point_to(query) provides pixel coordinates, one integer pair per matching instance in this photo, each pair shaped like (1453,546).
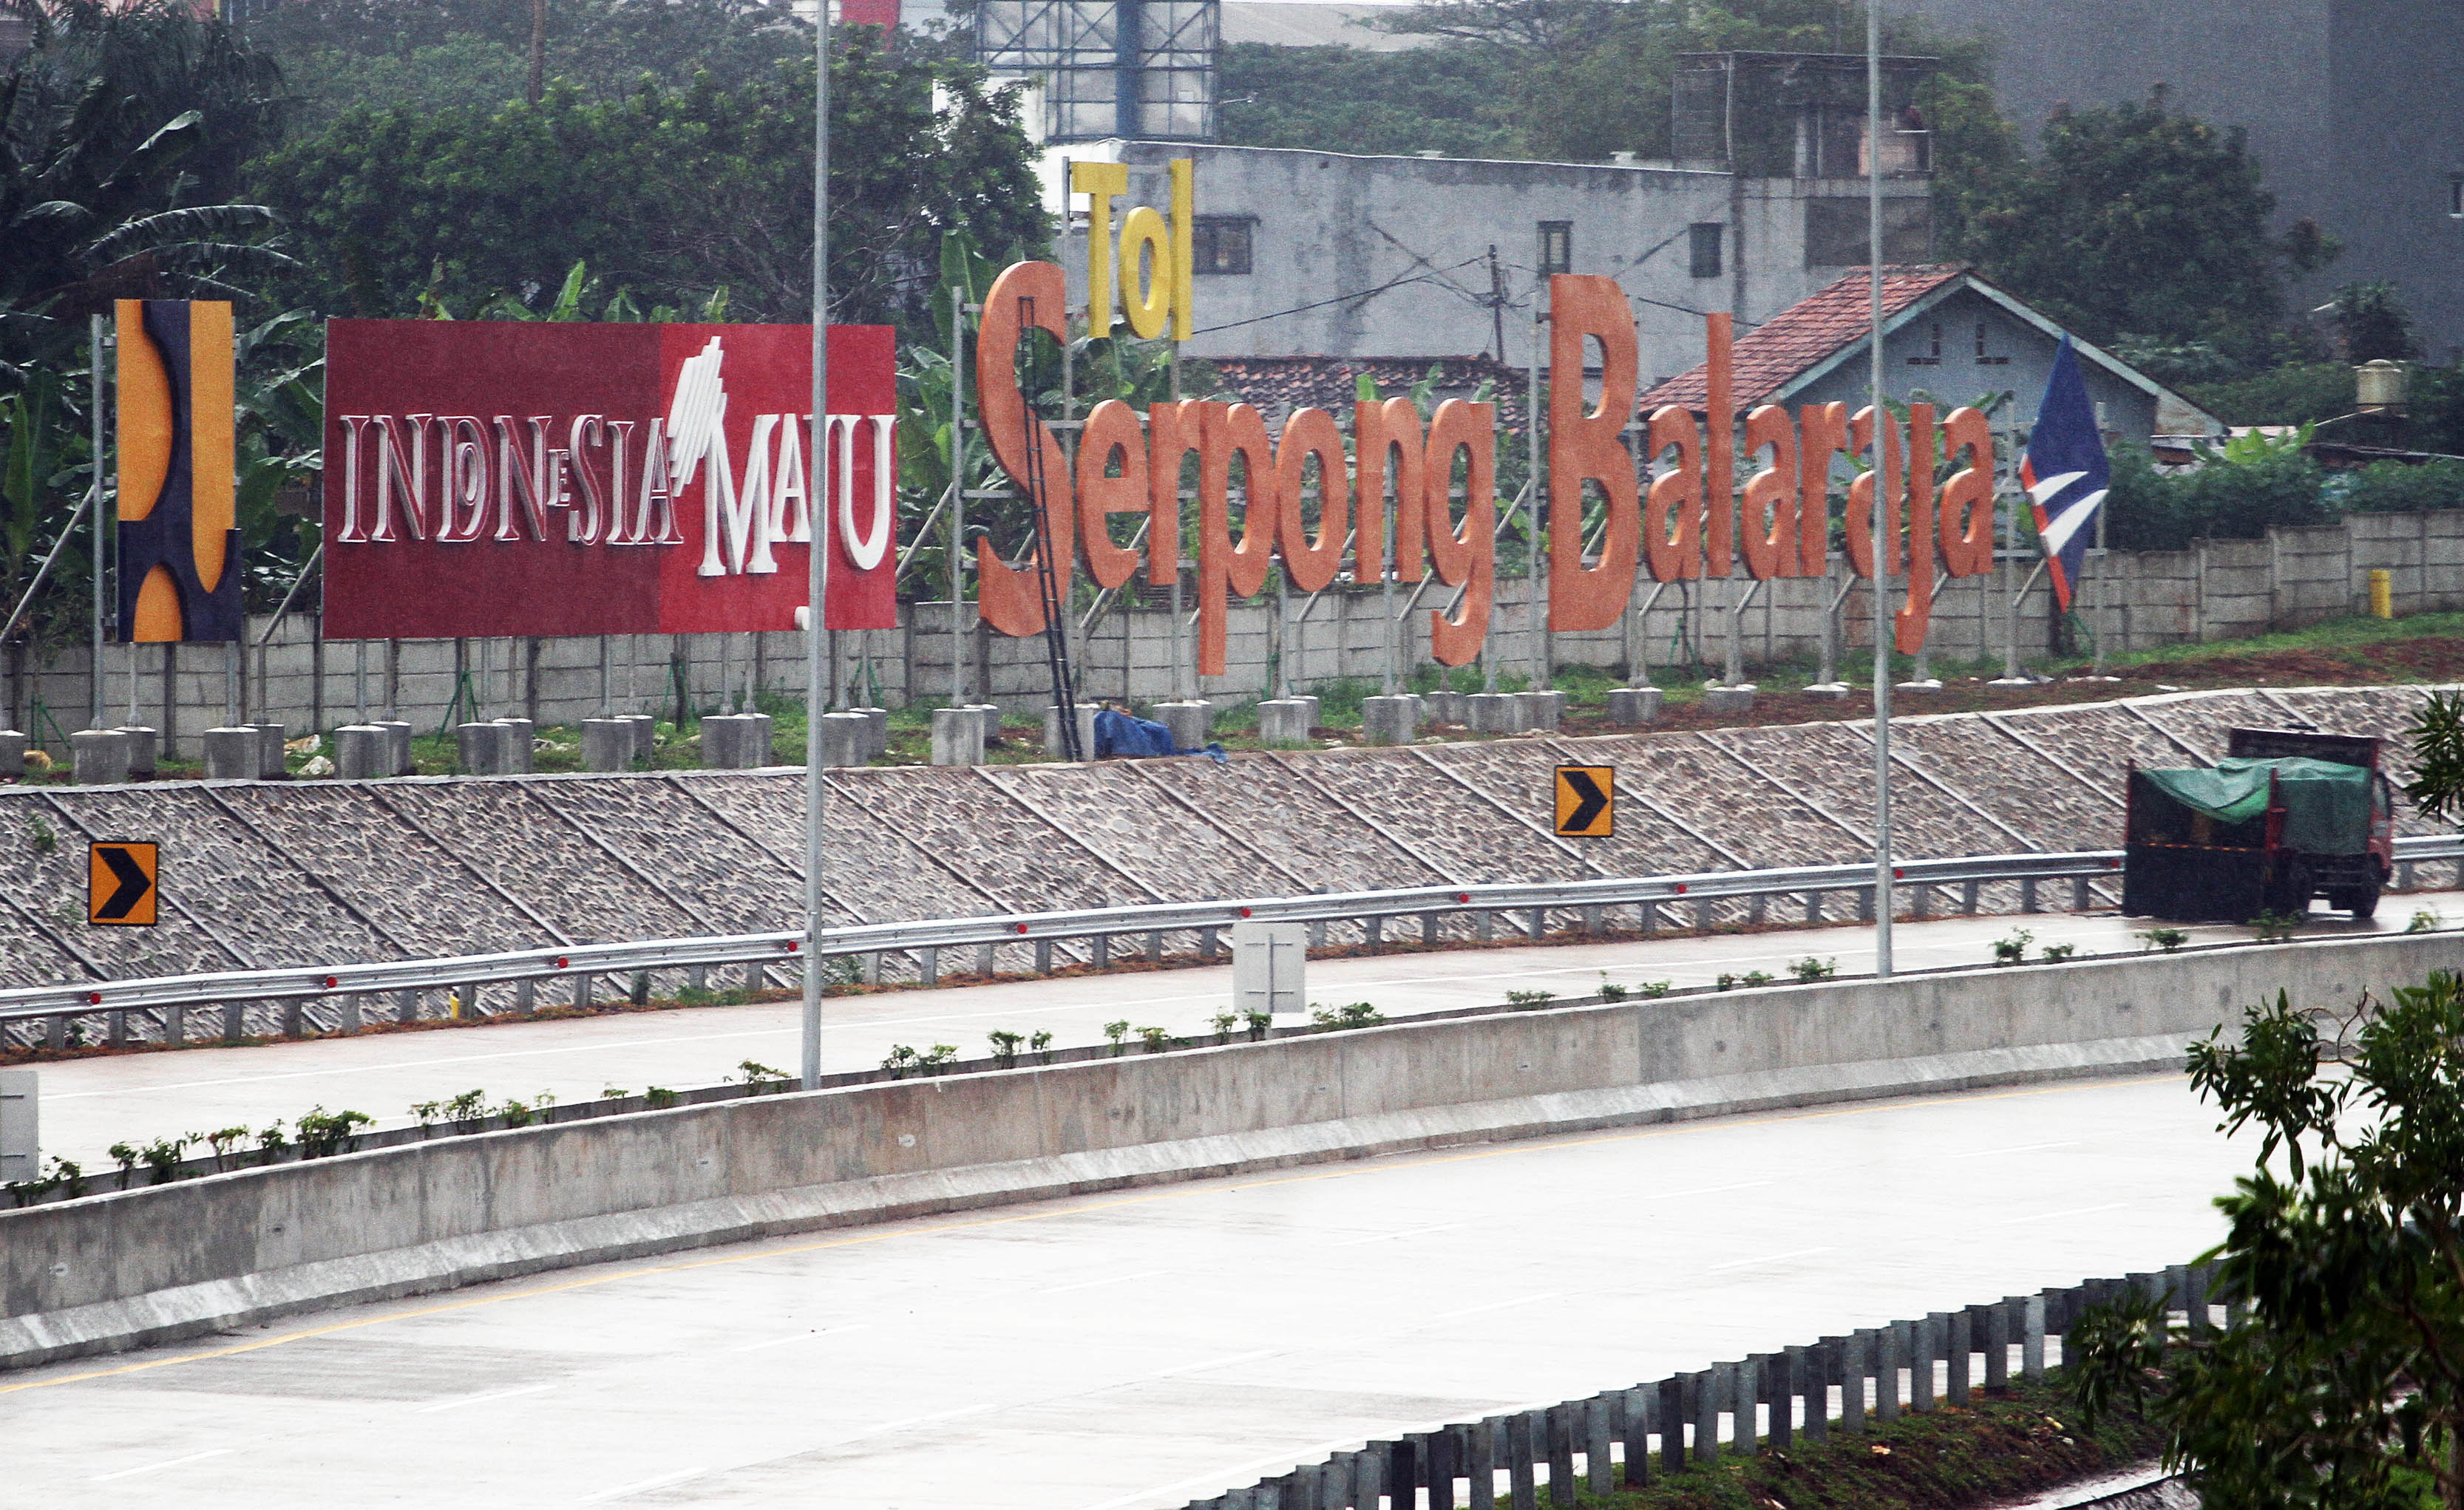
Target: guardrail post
(1317,934)
(293,1010)
(2028,894)
(1560,1422)
(117,1027)
(2195,1297)
(1968,890)
(1810,1375)
(1670,1415)
(1432,929)
(1519,1477)
(1890,1351)
(581,992)
(346,1014)
(1539,924)
(1746,1411)
(1864,904)
(1920,904)
(1759,909)
(1814,906)
(1642,1409)
(1961,1355)
(526,996)
(752,976)
(2082,898)
(984,960)
(1856,1363)
(2404,876)
(57,1034)
(1603,1419)
(2032,1345)
(1930,1334)
(234,1021)
(1155,946)
(175,1024)
(928,964)
(1480,1463)
(1484,925)
(1997,1344)
(1099,951)
(1711,1387)
(1702,914)
(697,979)
(405,1006)
(1374,930)
(868,964)
(1209,942)
(1783,1375)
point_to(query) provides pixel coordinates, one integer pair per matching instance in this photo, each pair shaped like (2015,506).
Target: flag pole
(817,570)
(1885,545)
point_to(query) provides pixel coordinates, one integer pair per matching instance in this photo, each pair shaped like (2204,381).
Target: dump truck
(2287,815)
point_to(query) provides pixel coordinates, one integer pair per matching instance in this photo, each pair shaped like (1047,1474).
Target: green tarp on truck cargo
(2326,805)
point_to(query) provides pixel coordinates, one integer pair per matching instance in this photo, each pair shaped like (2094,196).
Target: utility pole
(818,571)
(1885,544)
(1497,303)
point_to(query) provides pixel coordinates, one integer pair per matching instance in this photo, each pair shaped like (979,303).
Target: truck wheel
(2362,901)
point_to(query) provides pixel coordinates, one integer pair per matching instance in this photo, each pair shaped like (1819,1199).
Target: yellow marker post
(2382,593)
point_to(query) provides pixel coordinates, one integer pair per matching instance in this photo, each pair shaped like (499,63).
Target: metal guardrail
(582,962)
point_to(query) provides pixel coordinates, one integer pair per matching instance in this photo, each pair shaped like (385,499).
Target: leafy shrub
(2391,487)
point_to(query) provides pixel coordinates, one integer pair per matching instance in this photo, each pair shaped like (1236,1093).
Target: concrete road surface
(88,1105)
(1138,1349)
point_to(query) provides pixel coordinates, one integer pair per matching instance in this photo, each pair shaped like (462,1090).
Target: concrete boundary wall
(2217,590)
(161,1263)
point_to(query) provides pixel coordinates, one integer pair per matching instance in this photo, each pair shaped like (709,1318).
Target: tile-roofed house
(1949,337)
(1277,385)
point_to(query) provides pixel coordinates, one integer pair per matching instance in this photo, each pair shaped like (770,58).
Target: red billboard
(509,478)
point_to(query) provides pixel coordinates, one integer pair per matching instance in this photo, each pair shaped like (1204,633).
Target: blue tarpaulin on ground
(1118,734)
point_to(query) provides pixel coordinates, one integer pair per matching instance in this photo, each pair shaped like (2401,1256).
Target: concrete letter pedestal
(957,736)
(1633,706)
(1444,707)
(877,742)
(145,745)
(1284,723)
(271,757)
(481,748)
(521,734)
(1192,723)
(845,738)
(99,756)
(1542,709)
(989,716)
(12,753)
(606,744)
(1494,713)
(398,742)
(1085,721)
(646,733)
(738,741)
(1736,699)
(363,753)
(1388,720)
(231,755)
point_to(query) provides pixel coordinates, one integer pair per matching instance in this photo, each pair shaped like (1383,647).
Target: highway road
(1133,1351)
(88,1105)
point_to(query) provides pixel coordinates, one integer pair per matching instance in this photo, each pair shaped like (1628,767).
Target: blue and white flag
(2065,472)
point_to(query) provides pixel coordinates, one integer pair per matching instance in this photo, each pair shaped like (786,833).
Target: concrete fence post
(1480,1463)
(1785,1372)
(1890,1354)
(1520,1479)
(1810,1367)
(1602,1418)
(1926,1336)
(1960,1356)
(1559,1421)
(1711,1388)
(1856,1357)
(1997,1343)
(1669,1415)
(2032,1345)
(1745,1410)
(1642,1414)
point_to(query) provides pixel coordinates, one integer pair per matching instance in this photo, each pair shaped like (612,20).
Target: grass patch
(2001,1447)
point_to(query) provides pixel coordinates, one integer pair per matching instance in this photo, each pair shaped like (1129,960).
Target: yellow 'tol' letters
(1153,267)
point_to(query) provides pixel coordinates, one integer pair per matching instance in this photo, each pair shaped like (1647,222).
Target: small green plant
(1005,1047)
(1116,1032)
(1040,1044)
(67,1177)
(427,1112)
(1225,1022)
(2273,928)
(222,1140)
(1727,981)
(2424,921)
(162,1158)
(759,1076)
(1758,978)
(1610,990)
(45,841)
(658,1098)
(1530,999)
(1811,969)
(1158,1040)
(937,1057)
(901,1058)
(2014,950)
(323,1133)
(1359,1015)
(271,1142)
(516,1114)
(1655,988)
(126,1155)
(613,1093)
(1259,1024)
(468,1110)
(2056,953)
(2168,939)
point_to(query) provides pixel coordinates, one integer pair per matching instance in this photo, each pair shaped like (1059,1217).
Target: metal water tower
(1142,70)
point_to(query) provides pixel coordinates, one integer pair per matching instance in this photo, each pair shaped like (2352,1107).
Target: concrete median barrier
(158,1264)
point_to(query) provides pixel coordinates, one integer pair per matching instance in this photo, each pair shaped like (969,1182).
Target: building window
(1220,242)
(1934,349)
(1703,249)
(1982,358)
(2456,196)
(1557,247)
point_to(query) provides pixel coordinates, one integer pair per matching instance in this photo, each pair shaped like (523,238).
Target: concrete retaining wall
(158,1264)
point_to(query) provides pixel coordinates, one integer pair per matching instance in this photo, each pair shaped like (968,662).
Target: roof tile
(1803,334)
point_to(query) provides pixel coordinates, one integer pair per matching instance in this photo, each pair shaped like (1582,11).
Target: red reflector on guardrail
(560,962)
(1244,912)
(1680,889)
(331,982)
(94,999)
(1021,928)
(1462,896)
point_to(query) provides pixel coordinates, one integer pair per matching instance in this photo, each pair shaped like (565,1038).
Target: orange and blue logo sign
(179,535)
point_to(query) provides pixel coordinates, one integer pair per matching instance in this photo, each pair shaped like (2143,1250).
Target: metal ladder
(1047,573)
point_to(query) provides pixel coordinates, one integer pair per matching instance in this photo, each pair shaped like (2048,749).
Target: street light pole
(818,572)
(1885,544)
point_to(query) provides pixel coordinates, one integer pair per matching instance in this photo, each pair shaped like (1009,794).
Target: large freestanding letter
(1027,296)
(1584,446)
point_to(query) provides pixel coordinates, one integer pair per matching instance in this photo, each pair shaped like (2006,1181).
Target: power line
(1340,298)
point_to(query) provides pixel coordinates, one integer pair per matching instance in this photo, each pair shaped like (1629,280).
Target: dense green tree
(668,192)
(2242,488)
(2138,223)
(2371,323)
(2343,1389)
(1350,100)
